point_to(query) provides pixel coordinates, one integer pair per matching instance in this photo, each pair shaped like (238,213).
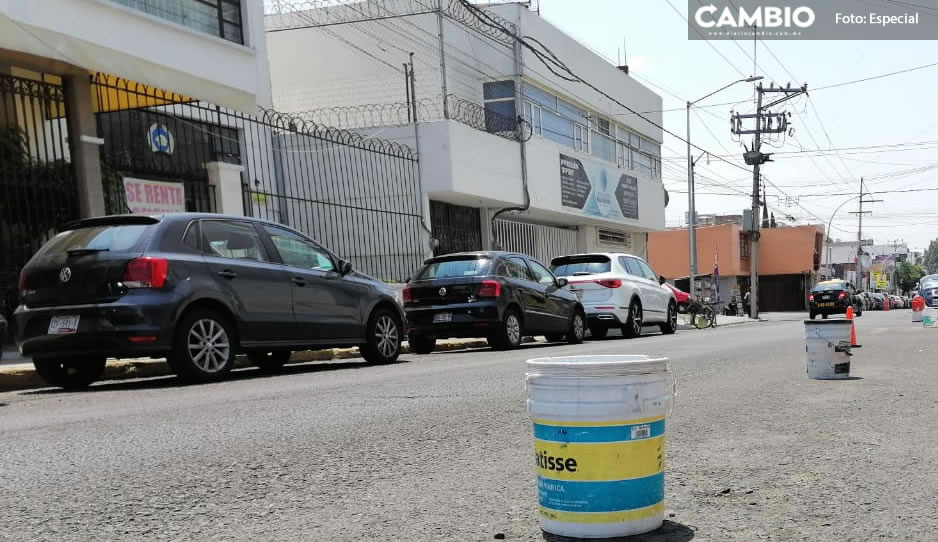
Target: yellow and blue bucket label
(600,472)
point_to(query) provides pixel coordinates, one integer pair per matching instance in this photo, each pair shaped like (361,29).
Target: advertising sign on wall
(597,190)
(151,197)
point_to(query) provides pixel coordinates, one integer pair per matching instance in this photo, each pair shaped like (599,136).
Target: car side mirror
(562,283)
(662,280)
(345,267)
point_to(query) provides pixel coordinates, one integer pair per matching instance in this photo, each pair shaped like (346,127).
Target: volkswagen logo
(65,274)
(442,292)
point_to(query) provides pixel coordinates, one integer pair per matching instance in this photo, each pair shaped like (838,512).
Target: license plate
(825,305)
(442,317)
(63,325)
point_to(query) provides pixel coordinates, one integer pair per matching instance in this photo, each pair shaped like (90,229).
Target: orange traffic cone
(853,328)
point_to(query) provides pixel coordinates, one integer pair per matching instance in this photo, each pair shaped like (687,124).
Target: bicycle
(701,313)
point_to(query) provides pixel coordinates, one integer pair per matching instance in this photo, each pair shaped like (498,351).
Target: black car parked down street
(501,296)
(833,297)
(196,289)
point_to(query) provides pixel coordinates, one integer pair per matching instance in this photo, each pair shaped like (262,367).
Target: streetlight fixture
(692,213)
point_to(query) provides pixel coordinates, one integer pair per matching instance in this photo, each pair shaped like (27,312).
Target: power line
(874,77)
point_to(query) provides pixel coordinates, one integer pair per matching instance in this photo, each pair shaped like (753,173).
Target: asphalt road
(439,447)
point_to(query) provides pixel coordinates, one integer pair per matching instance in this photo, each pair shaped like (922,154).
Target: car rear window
(569,266)
(469,267)
(828,287)
(111,238)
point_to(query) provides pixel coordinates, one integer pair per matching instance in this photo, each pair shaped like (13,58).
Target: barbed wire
(352,117)
(289,14)
(478,117)
(458,12)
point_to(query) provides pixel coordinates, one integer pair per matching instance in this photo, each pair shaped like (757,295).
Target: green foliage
(908,275)
(931,257)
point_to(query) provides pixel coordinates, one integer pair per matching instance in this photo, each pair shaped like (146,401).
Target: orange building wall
(787,251)
(668,254)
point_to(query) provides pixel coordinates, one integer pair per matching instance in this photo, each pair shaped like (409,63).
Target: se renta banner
(597,190)
(154,197)
(810,20)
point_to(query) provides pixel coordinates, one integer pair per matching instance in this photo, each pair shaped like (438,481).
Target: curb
(23,377)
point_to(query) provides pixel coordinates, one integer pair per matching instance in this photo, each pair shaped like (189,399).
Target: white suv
(618,290)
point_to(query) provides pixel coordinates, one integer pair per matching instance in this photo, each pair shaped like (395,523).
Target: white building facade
(579,173)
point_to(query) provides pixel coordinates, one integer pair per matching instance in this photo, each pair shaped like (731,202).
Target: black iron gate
(457,228)
(37,182)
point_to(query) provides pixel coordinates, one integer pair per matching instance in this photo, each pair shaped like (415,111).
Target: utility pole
(766,122)
(860,212)
(439,24)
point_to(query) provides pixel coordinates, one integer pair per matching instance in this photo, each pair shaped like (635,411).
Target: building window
(220,18)
(614,238)
(581,138)
(532,114)
(744,247)
(603,126)
(499,100)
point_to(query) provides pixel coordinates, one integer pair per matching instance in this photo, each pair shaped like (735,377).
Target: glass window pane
(233,33)
(539,96)
(500,116)
(519,269)
(498,89)
(299,252)
(558,128)
(541,274)
(604,147)
(231,11)
(238,240)
(631,265)
(646,270)
(571,111)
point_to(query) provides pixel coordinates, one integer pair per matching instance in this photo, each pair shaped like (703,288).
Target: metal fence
(542,242)
(37,182)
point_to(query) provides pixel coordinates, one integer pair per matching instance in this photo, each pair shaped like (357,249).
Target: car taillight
(407,295)
(842,295)
(145,273)
(609,283)
(810,297)
(490,288)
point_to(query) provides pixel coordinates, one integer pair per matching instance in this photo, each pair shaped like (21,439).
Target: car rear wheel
(204,349)
(270,361)
(421,344)
(72,374)
(509,333)
(577,328)
(384,337)
(670,326)
(598,332)
(633,327)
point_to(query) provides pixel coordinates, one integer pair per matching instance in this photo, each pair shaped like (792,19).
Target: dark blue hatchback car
(928,288)
(197,289)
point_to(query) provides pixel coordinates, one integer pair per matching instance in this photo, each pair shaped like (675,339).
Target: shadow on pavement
(670,531)
(246,373)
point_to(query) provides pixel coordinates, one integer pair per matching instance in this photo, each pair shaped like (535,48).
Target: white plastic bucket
(930,317)
(827,343)
(599,430)
(916,315)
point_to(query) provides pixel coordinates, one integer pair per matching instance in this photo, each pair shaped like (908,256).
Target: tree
(908,275)
(930,262)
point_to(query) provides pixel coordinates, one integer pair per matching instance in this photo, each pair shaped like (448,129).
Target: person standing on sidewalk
(746,306)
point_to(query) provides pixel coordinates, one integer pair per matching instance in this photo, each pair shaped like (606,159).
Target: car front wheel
(577,328)
(670,326)
(383,342)
(71,374)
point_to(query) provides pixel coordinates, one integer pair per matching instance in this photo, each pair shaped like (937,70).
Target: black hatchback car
(196,289)
(833,297)
(502,296)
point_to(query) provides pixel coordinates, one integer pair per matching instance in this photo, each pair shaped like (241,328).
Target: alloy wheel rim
(387,336)
(514,329)
(636,319)
(578,328)
(672,316)
(209,347)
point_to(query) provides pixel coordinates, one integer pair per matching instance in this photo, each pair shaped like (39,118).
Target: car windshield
(568,266)
(468,267)
(930,282)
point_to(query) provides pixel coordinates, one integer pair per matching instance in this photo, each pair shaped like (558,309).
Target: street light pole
(691,204)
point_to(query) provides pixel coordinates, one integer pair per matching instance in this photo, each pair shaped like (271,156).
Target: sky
(809,186)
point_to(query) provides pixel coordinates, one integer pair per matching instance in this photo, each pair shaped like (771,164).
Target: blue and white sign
(597,190)
(161,140)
